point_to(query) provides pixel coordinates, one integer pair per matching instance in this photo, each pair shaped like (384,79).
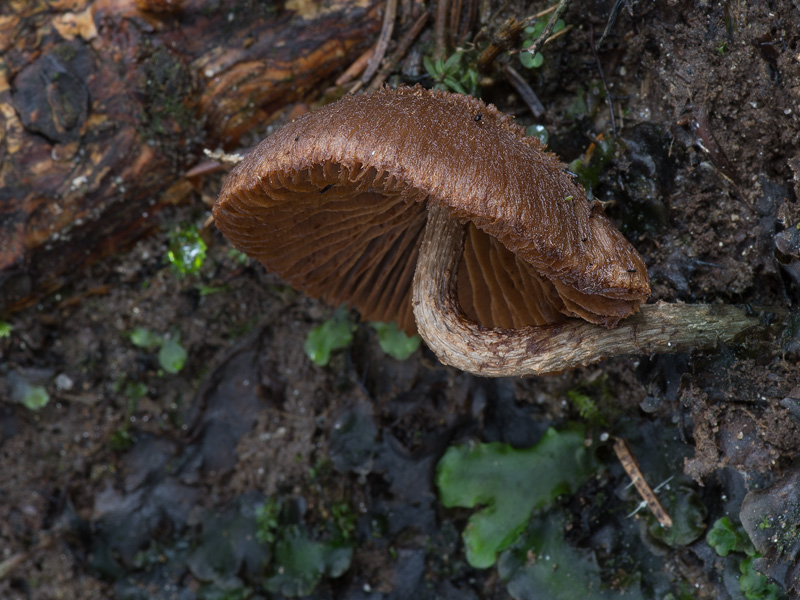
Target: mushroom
(436,211)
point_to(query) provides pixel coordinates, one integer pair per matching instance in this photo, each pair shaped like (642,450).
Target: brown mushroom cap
(334,202)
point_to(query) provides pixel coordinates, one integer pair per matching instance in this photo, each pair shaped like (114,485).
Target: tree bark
(103,105)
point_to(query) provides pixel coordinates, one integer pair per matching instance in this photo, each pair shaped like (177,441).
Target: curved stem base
(466,345)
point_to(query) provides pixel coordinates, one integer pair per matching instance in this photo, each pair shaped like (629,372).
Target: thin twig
(558,34)
(524,90)
(402,47)
(603,79)
(541,13)
(700,126)
(612,18)
(383,41)
(226,158)
(406,7)
(440,40)
(548,29)
(631,466)
(469,22)
(46,538)
(455,21)
(218,160)
(357,68)
(507,37)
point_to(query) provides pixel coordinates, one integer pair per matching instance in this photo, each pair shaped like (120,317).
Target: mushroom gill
(435,211)
(335,203)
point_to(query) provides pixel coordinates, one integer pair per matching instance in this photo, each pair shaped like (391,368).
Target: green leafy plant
(186,251)
(337,333)
(144,338)
(238,256)
(208,290)
(726,538)
(688,514)
(534,61)
(578,107)
(171,355)
(34,397)
(302,562)
(334,334)
(25,387)
(5,329)
(217,592)
(509,484)
(344,521)
(543,565)
(227,555)
(395,342)
(267,520)
(133,391)
(756,586)
(321,468)
(538,131)
(587,407)
(120,439)
(452,74)
(589,167)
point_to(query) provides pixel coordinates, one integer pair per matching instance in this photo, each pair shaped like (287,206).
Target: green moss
(589,167)
(267,520)
(585,405)
(186,251)
(167,84)
(334,334)
(394,342)
(595,400)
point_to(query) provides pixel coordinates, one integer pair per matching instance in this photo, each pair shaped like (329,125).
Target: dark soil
(135,483)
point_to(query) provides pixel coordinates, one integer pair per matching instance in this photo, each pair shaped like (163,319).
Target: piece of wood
(103,105)
(628,461)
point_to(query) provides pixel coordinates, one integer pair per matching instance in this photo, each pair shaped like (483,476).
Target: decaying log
(104,104)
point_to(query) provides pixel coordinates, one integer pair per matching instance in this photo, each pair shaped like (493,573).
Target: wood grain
(104,105)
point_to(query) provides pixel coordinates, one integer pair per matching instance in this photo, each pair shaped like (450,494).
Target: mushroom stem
(460,342)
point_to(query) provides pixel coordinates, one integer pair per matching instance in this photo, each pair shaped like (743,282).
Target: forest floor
(253,473)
